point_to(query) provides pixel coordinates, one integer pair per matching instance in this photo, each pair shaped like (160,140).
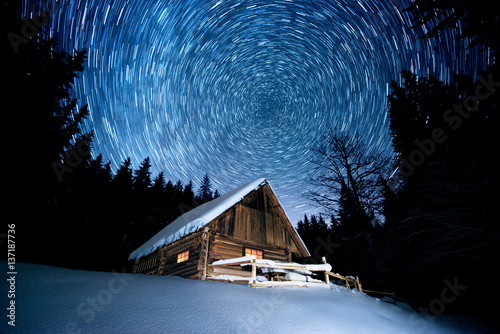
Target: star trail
(242,89)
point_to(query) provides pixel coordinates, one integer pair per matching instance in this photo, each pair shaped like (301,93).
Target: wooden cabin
(248,220)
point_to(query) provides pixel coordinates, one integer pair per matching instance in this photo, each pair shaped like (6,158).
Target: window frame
(253,250)
(183,256)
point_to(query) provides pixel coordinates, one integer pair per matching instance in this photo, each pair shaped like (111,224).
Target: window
(182,257)
(254,252)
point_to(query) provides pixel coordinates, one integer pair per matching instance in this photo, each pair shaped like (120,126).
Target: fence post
(327,279)
(358,284)
(254,272)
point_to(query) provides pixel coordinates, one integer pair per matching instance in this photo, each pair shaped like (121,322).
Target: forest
(418,224)
(424,224)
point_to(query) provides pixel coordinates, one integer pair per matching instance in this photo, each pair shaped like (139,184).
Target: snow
(56,300)
(299,267)
(318,267)
(197,218)
(235,260)
(295,277)
(233,278)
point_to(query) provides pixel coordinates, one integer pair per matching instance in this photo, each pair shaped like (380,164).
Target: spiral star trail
(242,89)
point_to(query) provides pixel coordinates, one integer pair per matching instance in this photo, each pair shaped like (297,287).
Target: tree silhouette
(142,183)
(38,80)
(205,191)
(123,182)
(347,184)
(188,195)
(477,20)
(158,189)
(346,177)
(41,124)
(445,138)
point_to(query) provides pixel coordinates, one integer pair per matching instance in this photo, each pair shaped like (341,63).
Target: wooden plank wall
(291,237)
(256,219)
(226,248)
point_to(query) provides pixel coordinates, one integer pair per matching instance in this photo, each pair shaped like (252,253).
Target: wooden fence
(275,279)
(240,276)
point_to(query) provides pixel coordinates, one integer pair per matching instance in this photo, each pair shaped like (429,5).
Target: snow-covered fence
(350,282)
(353,282)
(295,274)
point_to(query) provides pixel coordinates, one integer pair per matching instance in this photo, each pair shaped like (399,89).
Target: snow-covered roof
(196,219)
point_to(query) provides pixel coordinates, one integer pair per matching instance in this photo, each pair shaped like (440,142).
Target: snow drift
(57,300)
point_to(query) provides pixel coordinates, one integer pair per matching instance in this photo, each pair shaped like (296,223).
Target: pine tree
(307,232)
(158,193)
(334,224)
(442,209)
(170,203)
(142,180)
(105,175)
(307,225)
(475,19)
(205,191)
(188,195)
(178,189)
(123,179)
(41,121)
(322,226)
(45,119)
(159,184)
(169,192)
(300,228)
(314,226)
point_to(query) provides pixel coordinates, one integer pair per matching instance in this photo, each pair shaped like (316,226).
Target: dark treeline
(68,208)
(95,218)
(313,231)
(427,225)
(110,215)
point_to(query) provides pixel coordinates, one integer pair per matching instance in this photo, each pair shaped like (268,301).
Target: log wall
(148,264)
(189,268)
(224,247)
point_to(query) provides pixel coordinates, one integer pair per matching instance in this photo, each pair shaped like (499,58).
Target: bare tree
(347,184)
(346,176)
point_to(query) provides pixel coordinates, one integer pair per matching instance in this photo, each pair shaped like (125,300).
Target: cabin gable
(259,219)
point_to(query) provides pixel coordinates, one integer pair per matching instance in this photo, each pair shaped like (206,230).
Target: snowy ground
(57,300)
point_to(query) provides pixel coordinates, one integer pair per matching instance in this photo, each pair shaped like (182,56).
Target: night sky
(242,89)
